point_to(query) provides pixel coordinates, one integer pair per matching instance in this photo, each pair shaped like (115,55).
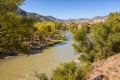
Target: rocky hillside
(79,20)
(38,16)
(97,19)
(89,20)
(50,18)
(107,69)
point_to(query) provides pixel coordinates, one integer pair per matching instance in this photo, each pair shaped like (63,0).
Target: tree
(65,71)
(102,42)
(82,44)
(64,27)
(9,5)
(13,27)
(58,25)
(69,71)
(106,36)
(73,27)
(48,29)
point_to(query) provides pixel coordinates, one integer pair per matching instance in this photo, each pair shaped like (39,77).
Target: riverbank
(35,46)
(43,62)
(42,46)
(48,42)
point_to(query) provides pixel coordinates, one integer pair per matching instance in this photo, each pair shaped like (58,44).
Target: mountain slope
(51,18)
(54,19)
(38,16)
(89,20)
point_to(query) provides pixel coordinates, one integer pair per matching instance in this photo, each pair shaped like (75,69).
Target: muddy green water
(23,67)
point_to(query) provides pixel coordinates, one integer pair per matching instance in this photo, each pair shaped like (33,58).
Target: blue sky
(72,8)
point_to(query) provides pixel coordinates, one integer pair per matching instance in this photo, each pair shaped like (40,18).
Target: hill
(38,16)
(51,18)
(107,69)
(89,20)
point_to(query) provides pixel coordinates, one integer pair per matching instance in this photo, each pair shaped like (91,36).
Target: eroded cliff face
(107,69)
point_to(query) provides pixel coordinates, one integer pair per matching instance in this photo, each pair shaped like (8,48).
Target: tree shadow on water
(33,52)
(61,44)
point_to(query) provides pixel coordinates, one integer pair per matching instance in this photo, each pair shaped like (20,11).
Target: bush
(103,41)
(69,71)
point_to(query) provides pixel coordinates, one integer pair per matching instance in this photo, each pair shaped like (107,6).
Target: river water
(23,67)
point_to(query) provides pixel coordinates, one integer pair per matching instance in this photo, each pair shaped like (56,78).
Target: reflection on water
(23,67)
(61,44)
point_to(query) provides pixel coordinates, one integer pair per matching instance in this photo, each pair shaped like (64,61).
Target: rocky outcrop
(93,20)
(97,20)
(107,69)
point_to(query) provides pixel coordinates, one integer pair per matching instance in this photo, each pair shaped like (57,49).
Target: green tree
(64,27)
(13,28)
(83,44)
(58,25)
(65,71)
(106,36)
(73,27)
(50,29)
(9,5)
(102,42)
(69,71)
(46,28)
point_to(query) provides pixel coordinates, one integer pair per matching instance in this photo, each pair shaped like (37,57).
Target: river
(23,67)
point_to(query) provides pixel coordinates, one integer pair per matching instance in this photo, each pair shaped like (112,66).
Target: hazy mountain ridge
(76,20)
(54,19)
(51,18)
(89,20)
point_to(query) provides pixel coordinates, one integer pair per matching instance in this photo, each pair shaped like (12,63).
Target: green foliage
(106,37)
(73,27)
(46,28)
(66,71)
(48,32)
(58,25)
(82,43)
(9,5)
(103,41)
(64,27)
(13,28)
(69,71)
(85,24)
